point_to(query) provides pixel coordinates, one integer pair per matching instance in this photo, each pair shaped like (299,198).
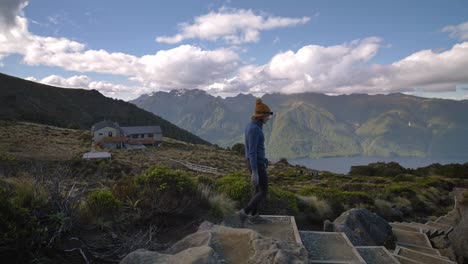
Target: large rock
(458,237)
(143,256)
(195,255)
(220,244)
(363,228)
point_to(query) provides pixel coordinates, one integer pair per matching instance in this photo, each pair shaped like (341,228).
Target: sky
(125,49)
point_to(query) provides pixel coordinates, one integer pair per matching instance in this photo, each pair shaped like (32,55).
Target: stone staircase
(413,245)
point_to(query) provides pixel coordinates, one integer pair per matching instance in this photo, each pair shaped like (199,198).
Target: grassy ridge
(75,108)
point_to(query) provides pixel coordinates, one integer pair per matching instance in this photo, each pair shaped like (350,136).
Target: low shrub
(239,149)
(281,202)
(102,203)
(337,199)
(236,186)
(5,157)
(359,187)
(20,227)
(399,190)
(207,180)
(434,181)
(449,170)
(404,178)
(378,169)
(336,195)
(126,190)
(165,191)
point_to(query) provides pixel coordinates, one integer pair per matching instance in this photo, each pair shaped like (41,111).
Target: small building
(104,129)
(96,155)
(142,133)
(110,135)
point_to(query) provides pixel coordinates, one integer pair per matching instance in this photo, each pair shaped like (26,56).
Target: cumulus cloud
(234,26)
(186,66)
(80,81)
(338,69)
(84,82)
(346,68)
(181,67)
(311,68)
(459,31)
(8,11)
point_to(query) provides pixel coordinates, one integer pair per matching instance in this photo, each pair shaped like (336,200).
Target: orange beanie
(261,109)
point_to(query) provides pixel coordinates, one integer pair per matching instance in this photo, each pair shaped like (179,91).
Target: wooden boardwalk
(196,167)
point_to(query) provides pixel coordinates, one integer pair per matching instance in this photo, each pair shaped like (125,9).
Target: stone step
(406,227)
(412,238)
(376,255)
(421,257)
(447,220)
(330,247)
(425,228)
(429,230)
(404,260)
(447,229)
(458,194)
(433,253)
(427,250)
(281,227)
(453,213)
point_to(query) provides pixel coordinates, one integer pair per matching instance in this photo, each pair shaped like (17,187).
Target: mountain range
(317,125)
(24,100)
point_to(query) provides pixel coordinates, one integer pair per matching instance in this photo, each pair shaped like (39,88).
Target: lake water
(343,164)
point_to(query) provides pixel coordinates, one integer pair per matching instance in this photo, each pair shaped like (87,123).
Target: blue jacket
(255,144)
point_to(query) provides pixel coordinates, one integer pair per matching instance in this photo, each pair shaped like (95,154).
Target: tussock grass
(320,208)
(221,205)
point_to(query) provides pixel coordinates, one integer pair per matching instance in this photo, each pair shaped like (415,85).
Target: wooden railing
(196,167)
(201,168)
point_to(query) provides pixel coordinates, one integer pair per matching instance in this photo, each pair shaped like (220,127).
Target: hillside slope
(75,108)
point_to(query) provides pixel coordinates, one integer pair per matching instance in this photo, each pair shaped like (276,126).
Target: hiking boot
(242,216)
(257,219)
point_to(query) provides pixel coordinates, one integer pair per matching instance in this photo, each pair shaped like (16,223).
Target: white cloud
(345,69)
(311,68)
(8,11)
(459,31)
(181,67)
(84,82)
(432,71)
(80,81)
(465,97)
(234,26)
(186,66)
(338,69)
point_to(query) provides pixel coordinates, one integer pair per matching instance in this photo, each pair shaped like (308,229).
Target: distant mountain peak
(182,92)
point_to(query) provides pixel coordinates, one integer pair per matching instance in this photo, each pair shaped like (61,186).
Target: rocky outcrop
(219,244)
(363,228)
(458,237)
(195,255)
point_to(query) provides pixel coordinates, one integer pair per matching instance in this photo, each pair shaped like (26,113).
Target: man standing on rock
(256,161)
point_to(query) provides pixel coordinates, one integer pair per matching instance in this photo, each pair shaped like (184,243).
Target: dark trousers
(260,191)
